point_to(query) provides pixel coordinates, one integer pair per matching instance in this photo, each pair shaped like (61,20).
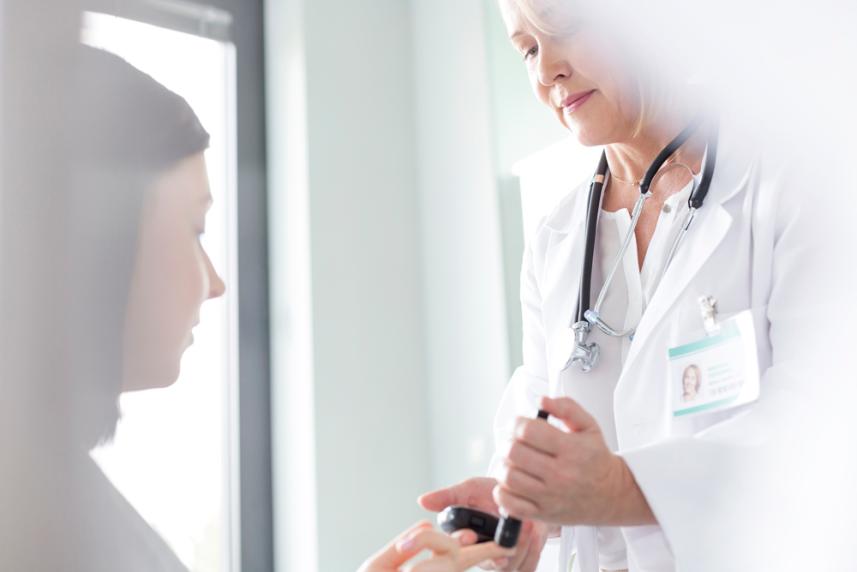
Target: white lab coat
(763,241)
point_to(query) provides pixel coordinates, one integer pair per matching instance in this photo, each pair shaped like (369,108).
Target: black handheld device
(459,518)
(509,529)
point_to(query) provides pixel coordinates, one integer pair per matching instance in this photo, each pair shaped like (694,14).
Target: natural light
(174,455)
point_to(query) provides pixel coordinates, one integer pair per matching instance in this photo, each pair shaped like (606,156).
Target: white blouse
(626,300)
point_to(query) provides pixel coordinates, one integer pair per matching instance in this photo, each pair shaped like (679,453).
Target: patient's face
(172,277)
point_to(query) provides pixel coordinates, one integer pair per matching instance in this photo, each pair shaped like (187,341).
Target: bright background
(172,456)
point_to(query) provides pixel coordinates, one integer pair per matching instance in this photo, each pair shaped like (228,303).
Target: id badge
(717,372)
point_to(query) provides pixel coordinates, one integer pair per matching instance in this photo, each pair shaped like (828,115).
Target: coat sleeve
(772,487)
(529,382)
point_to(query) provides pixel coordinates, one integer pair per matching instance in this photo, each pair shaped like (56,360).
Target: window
(175,453)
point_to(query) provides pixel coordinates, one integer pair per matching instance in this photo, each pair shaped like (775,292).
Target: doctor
(714,271)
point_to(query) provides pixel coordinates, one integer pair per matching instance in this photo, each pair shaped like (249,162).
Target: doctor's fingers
(531,561)
(570,412)
(538,434)
(474,492)
(526,545)
(531,461)
(515,504)
(522,483)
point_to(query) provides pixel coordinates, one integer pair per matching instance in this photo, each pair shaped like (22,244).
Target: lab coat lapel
(706,233)
(560,281)
(561,308)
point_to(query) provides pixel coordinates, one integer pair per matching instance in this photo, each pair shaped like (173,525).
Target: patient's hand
(454,553)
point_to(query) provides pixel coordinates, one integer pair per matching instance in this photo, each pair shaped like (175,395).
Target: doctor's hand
(455,553)
(569,477)
(476,493)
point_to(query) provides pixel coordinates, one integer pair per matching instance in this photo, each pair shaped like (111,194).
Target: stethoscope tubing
(586,316)
(593,209)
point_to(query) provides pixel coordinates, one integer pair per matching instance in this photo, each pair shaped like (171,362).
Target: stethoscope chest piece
(585,354)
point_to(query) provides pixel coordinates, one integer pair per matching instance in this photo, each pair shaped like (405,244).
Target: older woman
(626,475)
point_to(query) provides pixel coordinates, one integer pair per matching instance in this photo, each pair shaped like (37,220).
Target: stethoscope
(585,353)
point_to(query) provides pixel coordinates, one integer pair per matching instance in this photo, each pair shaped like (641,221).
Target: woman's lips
(573,102)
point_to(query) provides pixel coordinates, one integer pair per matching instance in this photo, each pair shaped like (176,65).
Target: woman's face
(577,75)
(172,277)
(690,381)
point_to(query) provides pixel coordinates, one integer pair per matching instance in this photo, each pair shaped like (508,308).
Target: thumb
(567,410)
(438,500)
(474,492)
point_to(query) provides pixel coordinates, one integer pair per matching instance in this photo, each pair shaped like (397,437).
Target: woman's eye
(531,52)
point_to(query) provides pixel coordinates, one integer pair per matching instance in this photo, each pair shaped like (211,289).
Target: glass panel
(173,455)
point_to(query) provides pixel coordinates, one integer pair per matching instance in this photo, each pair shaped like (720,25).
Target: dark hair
(126,130)
(128,120)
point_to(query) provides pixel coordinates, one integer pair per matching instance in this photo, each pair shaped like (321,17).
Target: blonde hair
(553,17)
(654,97)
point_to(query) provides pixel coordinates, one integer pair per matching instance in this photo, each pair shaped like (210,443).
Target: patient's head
(139,201)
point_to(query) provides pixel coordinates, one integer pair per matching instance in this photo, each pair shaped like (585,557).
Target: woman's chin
(149,383)
(586,131)
(586,136)
(152,378)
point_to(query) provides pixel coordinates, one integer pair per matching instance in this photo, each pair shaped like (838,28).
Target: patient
(131,275)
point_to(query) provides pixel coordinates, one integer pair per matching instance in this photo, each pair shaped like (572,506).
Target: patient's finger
(390,556)
(464,560)
(473,555)
(426,538)
(465,537)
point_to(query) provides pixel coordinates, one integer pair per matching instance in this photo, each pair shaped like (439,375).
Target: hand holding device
(476,493)
(509,529)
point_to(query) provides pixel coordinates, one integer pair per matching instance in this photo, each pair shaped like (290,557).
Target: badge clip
(708,308)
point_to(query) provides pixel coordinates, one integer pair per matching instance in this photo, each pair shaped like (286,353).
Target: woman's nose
(552,67)
(216,287)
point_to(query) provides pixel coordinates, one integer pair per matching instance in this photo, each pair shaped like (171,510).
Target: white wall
(390,336)
(341,98)
(465,307)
